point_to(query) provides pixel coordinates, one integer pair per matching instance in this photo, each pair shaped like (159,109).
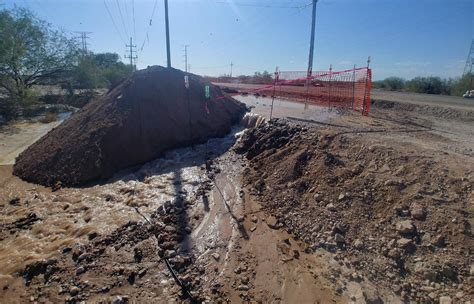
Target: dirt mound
(135,122)
(426,109)
(397,217)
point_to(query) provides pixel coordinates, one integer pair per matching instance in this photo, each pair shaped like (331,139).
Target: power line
(121,17)
(113,21)
(133,14)
(262,5)
(146,38)
(129,27)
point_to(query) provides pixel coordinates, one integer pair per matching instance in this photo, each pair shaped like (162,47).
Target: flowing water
(70,215)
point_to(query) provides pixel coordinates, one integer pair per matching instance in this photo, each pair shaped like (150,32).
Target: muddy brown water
(69,215)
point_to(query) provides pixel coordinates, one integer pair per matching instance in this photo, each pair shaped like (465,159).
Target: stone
(254,218)
(341,196)
(170,253)
(358,244)
(253,228)
(170,229)
(216,256)
(438,240)
(339,238)
(459,294)
(120,300)
(243,287)
(406,227)
(417,211)
(244,280)
(331,207)
(445,300)
(272,222)
(404,243)
(80,270)
(92,235)
(74,290)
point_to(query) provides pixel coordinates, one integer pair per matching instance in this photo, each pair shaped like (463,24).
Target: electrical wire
(262,5)
(133,14)
(146,39)
(113,22)
(129,26)
(121,17)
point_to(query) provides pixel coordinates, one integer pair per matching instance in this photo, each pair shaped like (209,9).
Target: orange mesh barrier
(343,89)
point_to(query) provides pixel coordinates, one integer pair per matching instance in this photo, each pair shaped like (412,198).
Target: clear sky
(405,38)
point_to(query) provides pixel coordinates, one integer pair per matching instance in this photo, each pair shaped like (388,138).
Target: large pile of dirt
(398,217)
(135,122)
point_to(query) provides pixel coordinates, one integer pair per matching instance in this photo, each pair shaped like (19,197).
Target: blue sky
(405,38)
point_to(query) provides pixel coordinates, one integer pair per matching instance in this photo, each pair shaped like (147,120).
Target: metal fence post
(353,86)
(275,81)
(330,80)
(366,84)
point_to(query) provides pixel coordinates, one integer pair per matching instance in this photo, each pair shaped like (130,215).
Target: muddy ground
(322,207)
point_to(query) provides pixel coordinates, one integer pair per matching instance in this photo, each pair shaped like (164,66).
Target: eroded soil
(320,208)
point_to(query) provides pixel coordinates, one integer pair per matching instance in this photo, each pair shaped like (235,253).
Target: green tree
(428,85)
(31,53)
(99,71)
(393,83)
(463,84)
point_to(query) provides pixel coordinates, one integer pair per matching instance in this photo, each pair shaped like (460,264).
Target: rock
(459,294)
(253,228)
(74,290)
(170,229)
(471,270)
(358,244)
(331,207)
(142,272)
(438,240)
(243,287)
(120,300)
(341,197)
(272,222)
(254,218)
(445,300)
(80,270)
(92,235)
(371,297)
(417,211)
(170,253)
(14,201)
(406,244)
(449,272)
(406,227)
(216,256)
(339,238)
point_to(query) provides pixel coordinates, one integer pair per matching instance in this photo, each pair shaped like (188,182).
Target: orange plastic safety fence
(342,89)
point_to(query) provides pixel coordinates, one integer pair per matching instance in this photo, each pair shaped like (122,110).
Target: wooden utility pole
(168,55)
